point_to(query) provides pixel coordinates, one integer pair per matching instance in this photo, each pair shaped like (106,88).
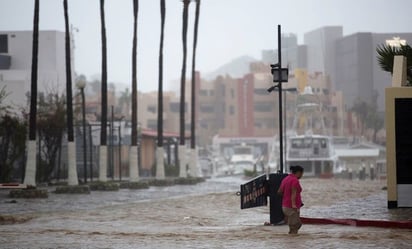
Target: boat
(313,151)
(242,160)
(235,155)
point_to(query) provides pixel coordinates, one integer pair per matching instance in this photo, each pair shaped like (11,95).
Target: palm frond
(386,55)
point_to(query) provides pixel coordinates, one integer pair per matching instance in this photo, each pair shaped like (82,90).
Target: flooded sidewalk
(203,216)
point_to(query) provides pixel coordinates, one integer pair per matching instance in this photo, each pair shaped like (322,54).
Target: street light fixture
(81,84)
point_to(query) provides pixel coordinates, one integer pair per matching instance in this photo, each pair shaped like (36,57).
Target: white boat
(314,152)
(242,160)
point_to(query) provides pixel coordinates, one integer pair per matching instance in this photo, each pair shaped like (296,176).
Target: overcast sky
(228,29)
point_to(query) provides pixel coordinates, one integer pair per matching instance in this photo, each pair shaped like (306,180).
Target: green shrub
(104,186)
(29,193)
(80,189)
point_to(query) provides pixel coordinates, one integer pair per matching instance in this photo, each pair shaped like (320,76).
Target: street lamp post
(81,84)
(280,75)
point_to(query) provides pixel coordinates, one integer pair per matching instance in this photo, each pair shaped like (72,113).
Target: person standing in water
(290,190)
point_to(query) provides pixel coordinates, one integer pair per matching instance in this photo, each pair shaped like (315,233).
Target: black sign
(403,133)
(254,193)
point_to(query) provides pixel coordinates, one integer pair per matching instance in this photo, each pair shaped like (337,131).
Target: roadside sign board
(254,193)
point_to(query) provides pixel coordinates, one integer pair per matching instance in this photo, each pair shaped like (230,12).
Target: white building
(16,61)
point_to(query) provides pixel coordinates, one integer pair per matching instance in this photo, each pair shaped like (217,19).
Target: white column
(182,161)
(133,164)
(103,163)
(30,175)
(194,171)
(160,165)
(399,71)
(71,157)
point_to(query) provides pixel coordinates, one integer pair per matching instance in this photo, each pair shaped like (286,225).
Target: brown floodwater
(203,216)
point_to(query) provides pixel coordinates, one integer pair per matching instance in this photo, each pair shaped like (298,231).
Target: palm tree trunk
(134,157)
(71,145)
(182,147)
(160,174)
(193,152)
(30,172)
(103,127)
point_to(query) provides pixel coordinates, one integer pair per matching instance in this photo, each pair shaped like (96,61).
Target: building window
(212,93)
(263,107)
(203,92)
(260,91)
(4,46)
(152,124)
(151,109)
(175,107)
(232,92)
(206,108)
(231,110)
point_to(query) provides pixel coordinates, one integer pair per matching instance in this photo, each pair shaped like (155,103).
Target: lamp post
(280,75)
(81,84)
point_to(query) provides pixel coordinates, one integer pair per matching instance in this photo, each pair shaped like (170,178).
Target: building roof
(356,153)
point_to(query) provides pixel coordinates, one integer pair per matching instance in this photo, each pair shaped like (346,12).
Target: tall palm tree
(125,101)
(160,151)
(30,172)
(386,55)
(103,127)
(182,148)
(133,167)
(193,160)
(71,145)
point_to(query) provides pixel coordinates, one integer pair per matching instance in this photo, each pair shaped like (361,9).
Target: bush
(250,173)
(162,183)
(134,185)
(189,180)
(80,189)
(104,186)
(29,193)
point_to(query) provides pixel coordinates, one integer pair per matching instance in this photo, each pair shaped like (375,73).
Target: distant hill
(235,68)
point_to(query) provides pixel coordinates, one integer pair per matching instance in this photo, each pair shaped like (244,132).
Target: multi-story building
(243,107)
(293,55)
(358,74)
(321,45)
(16,60)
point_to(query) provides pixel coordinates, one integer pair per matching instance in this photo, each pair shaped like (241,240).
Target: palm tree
(386,55)
(133,167)
(103,126)
(193,160)
(30,172)
(360,108)
(71,145)
(125,100)
(160,151)
(182,148)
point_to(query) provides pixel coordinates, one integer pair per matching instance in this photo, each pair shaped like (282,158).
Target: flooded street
(203,216)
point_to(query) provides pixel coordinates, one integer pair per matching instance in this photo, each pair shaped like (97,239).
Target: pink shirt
(286,187)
